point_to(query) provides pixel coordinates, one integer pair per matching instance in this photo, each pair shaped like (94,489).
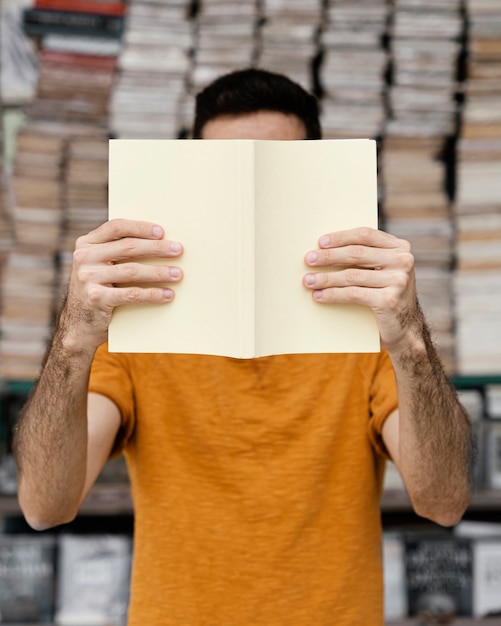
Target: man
(256,483)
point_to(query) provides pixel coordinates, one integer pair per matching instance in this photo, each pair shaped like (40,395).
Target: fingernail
(157,231)
(175,247)
(175,272)
(324,240)
(168,294)
(310,279)
(317,294)
(311,257)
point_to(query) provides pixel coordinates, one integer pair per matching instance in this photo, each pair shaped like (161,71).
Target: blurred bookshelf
(422,78)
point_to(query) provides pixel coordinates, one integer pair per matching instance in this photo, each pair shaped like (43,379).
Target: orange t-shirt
(256,486)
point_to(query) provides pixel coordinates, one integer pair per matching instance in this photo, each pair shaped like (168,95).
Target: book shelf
(109,507)
(114,499)
(418,81)
(408,622)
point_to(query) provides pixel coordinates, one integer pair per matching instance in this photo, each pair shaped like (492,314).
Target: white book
(246,213)
(487,577)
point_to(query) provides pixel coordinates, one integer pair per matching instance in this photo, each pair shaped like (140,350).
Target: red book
(100,7)
(53,57)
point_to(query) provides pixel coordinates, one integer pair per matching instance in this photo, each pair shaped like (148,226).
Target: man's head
(261,98)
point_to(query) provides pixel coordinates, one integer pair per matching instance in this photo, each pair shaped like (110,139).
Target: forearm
(435,438)
(50,441)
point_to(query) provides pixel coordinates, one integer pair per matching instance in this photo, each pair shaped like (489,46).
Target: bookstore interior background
(422,77)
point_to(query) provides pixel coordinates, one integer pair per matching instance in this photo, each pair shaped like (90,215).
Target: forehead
(258,125)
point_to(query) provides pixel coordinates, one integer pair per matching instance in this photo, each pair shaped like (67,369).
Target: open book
(246,213)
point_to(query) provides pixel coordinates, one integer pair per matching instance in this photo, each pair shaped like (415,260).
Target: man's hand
(107,272)
(369,267)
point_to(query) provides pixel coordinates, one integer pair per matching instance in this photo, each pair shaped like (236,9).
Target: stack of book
(78,26)
(93,579)
(65,579)
(18,62)
(85,196)
(438,575)
(416,208)
(5,225)
(5,222)
(27,578)
(226,39)
(38,209)
(154,67)
(289,38)
(478,198)
(78,41)
(73,87)
(425,51)
(30,272)
(27,310)
(425,47)
(353,68)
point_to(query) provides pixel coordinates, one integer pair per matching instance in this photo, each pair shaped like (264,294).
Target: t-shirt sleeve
(383,401)
(110,376)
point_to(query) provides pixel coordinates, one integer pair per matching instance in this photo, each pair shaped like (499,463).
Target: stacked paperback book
(66,579)
(78,43)
(5,222)
(30,274)
(225,39)
(382,70)
(443,575)
(288,38)
(85,195)
(353,69)
(478,199)
(18,62)
(425,50)
(153,70)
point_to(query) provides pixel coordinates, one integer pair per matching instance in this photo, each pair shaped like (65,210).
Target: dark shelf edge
(115,499)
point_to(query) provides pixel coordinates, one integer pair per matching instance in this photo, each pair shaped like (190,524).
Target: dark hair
(252,90)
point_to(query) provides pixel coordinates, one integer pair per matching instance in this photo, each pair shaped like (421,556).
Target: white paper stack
(493,401)
(486,547)
(395,583)
(425,46)
(18,60)
(478,197)
(353,68)
(478,332)
(226,39)
(93,580)
(416,208)
(425,49)
(289,38)
(154,66)
(434,288)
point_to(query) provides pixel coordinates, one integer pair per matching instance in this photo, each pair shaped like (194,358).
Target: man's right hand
(107,272)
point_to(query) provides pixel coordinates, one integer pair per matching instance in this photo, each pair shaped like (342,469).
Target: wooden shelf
(115,499)
(23,387)
(397,501)
(103,499)
(459,621)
